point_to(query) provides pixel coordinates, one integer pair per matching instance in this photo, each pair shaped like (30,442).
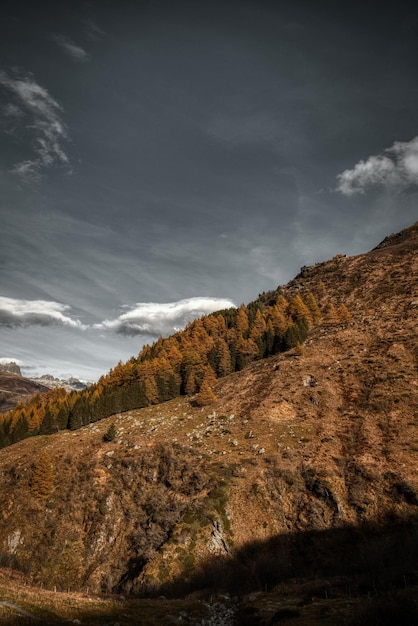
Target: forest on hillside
(186,363)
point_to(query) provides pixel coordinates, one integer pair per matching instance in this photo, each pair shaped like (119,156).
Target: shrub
(110,434)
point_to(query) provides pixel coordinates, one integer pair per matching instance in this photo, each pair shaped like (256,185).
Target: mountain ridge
(315,441)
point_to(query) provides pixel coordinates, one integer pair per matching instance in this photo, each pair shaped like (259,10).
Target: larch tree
(331,314)
(242,324)
(298,310)
(313,307)
(343,314)
(43,477)
(205,395)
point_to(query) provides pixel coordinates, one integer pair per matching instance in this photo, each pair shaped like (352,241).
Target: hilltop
(293,488)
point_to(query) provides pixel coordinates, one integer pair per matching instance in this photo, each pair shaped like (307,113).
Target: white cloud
(16,313)
(155,319)
(397,169)
(70,48)
(5,360)
(42,119)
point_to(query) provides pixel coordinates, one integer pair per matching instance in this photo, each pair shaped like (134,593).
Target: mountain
(10,367)
(291,489)
(69,384)
(14,388)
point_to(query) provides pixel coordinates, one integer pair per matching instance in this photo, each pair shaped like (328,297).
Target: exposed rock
(217,544)
(10,367)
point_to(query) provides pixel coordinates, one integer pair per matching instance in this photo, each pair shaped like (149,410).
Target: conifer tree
(313,307)
(344,317)
(223,358)
(43,477)
(298,310)
(151,390)
(205,395)
(282,303)
(190,386)
(331,314)
(242,324)
(210,376)
(110,434)
(321,290)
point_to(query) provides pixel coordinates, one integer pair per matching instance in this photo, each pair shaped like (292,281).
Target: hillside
(294,489)
(14,388)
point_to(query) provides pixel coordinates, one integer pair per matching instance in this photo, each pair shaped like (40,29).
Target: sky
(161,160)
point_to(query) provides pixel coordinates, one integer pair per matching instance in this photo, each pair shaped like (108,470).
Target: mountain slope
(14,388)
(302,468)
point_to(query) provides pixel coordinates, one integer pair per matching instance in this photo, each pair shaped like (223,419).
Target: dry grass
(56,608)
(312,439)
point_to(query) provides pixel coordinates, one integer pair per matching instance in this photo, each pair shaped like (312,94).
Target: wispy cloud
(42,118)
(396,169)
(155,319)
(93,31)
(16,313)
(12,110)
(70,48)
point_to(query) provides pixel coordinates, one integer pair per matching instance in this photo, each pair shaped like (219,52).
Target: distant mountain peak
(10,367)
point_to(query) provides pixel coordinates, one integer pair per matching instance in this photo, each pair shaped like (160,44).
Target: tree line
(186,363)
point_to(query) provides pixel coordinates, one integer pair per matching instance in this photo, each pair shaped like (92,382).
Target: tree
(190,386)
(223,358)
(151,390)
(43,477)
(313,307)
(321,290)
(242,324)
(298,310)
(331,314)
(210,376)
(343,314)
(205,395)
(110,434)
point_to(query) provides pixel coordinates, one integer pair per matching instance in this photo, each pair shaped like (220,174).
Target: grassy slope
(299,442)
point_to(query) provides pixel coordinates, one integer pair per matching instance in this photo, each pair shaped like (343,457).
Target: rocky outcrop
(10,367)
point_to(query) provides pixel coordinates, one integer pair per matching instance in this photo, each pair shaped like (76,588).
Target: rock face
(304,466)
(10,367)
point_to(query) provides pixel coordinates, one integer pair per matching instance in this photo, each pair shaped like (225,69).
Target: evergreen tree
(110,434)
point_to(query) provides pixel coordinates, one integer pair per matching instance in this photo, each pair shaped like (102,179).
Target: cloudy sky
(160,160)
